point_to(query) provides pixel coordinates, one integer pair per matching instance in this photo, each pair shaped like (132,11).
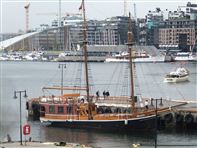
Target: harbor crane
(27,16)
(125,7)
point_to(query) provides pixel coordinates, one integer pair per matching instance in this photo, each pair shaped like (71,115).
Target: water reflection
(95,138)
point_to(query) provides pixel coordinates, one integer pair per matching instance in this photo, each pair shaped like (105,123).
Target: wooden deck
(125,101)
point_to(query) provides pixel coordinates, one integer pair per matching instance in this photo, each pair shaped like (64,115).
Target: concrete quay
(42,145)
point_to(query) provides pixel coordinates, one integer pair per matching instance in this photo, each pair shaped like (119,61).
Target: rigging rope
(91,80)
(118,78)
(137,86)
(144,79)
(52,78)
(155,80)
(78,79)
(125,83)
(108,84)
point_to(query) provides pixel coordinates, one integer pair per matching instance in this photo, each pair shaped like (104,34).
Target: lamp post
(161,104)
(62,66)
(15,97)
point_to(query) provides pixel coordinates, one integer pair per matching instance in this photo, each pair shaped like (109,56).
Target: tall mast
(130,43)
(86,59)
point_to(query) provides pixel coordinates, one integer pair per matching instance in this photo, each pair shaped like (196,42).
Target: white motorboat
(180,75)
(3,58)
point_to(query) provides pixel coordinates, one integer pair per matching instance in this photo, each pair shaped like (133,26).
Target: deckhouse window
(51,109)
(60,109)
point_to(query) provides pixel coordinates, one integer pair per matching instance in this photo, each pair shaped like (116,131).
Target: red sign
(26,129)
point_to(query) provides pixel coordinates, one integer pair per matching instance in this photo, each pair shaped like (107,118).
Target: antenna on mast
(27,17)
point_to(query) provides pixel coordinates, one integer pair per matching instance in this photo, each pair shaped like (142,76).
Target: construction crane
(27,16)
(60,11)
(125,7)
(134,10)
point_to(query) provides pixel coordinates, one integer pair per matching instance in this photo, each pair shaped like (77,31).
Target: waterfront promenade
(42,145)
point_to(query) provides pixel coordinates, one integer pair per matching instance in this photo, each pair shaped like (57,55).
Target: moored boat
(72,110)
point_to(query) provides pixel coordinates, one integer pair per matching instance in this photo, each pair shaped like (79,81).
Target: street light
(161,104)
(15,97)
(62,66)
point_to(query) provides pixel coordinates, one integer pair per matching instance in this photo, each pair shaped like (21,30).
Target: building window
(60,109)
(51,109)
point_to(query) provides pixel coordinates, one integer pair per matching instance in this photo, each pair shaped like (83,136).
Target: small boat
(3,58)
(179,75)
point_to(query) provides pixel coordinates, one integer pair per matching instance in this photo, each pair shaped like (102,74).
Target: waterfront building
(178,34)
(142,32)
(69,19)
(53,38)
(170,29)
(111,31)
(152,20)
(180,30)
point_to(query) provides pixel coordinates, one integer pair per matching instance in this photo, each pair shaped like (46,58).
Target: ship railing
(57,99)
(113,100)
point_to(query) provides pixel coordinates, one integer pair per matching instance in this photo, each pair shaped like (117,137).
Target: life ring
(179,118)
(189,118)
(168,117)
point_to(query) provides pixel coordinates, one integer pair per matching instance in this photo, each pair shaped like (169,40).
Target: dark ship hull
(122,125)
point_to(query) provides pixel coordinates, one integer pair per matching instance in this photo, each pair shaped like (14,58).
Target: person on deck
(104,93)
(107,93)
(146,104)
(97,94)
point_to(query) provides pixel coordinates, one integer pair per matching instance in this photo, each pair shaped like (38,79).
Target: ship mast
(86,59)
(130,43)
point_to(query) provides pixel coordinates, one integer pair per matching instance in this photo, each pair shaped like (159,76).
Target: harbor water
(112,77)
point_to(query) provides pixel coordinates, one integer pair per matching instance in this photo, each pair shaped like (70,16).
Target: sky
(12,12)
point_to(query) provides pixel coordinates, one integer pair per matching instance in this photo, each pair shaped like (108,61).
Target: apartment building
(178,33)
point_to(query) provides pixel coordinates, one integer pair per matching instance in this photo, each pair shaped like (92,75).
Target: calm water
(32,76)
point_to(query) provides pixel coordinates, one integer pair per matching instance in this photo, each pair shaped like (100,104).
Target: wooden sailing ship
(76,111)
